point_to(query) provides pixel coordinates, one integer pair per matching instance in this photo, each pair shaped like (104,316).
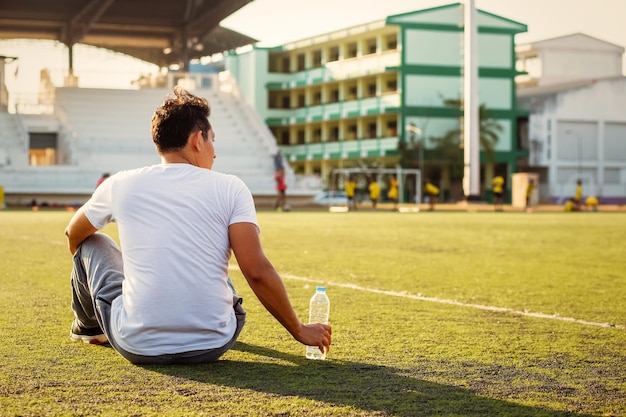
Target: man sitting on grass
(166,296)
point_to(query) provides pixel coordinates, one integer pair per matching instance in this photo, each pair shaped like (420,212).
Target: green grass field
(415,332)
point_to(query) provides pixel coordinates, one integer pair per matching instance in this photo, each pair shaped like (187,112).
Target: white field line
(420,297)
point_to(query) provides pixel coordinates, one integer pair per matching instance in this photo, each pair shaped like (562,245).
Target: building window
(522,133)
(530,64)
(334,95)
(284,137)
(549,147)
(42,149)
(301,62)
(317,59)
(371,130)
(286,102)
(333,54)
(611,175)
(301,137)
(391,42)
(317,135)
(301,100)
(392,128)
(352,131)
(333,135)
(272,99)
(286,65)
(317,97)
(351,50)
(370,46)
(371,89)
(353,93)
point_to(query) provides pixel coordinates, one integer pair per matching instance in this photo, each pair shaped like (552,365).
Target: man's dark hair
(180,115)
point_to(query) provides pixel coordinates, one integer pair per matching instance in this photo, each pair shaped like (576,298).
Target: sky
(276,22)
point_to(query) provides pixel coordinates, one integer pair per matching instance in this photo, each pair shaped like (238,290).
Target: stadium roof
(162,32)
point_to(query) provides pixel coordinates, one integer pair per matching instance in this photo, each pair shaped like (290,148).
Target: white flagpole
(471,143)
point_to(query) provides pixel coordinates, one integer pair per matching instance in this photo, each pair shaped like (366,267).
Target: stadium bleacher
(108,130)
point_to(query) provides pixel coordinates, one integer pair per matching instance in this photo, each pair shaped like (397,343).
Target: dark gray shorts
(97,279)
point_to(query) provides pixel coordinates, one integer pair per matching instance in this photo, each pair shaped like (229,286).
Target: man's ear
(196,140)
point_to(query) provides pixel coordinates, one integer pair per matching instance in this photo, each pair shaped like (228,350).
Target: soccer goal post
(409,180)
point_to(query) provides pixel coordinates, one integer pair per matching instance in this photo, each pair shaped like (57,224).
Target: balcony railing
(341,110)
(343,69)
(360,148)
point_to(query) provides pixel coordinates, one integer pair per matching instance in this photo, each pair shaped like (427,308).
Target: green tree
(447,155)
(488,139)
(409,152)
(488,129)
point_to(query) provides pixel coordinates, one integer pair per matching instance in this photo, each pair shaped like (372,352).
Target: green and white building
(348,98)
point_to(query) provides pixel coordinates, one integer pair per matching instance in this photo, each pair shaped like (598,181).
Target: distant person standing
(102,179)
(432,191)
(374,190)
(350,189)
(281,189)
(578,197)
(529,193)
(497,184)
(392,194)
(278,160)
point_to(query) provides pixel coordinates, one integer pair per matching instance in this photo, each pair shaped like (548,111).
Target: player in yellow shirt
(392,194)
(350,189)
(529,192)
(374,189)
(497,184)
(592,203)
(432,192)
(578,197)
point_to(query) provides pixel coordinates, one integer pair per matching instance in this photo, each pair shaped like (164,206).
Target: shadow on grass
(373,388)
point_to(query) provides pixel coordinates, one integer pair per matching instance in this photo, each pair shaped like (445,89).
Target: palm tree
(488,128)
(488,137)
(448,155)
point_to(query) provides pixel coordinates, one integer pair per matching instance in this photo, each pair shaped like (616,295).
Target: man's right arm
(269,289)
(78,229)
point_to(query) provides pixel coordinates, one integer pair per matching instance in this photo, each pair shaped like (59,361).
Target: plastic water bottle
(319,309)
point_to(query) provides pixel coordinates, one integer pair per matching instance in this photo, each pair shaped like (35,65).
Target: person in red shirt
(281,188)
(102,178)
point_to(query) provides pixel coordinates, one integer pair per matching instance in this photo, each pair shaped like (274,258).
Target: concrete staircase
(102,130)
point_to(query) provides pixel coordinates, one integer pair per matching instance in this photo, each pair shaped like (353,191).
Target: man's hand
(316,334)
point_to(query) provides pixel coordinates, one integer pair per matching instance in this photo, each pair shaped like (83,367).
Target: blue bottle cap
(320,289)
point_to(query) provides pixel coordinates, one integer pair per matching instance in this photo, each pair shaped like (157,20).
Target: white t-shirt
(173,226)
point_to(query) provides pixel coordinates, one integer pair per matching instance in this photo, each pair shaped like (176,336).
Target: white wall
(560,66)
(582,134)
